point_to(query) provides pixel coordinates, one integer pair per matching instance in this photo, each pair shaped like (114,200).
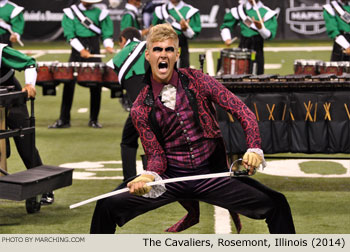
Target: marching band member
(148,9)
(176,121)
(83,25)
(11,22)
(337,18)
(253,30)
(132,16)
(130,77)
(185,19)
(17,115)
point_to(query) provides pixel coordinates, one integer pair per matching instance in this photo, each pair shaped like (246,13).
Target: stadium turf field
(319,205)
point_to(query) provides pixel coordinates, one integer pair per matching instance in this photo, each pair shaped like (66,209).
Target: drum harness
(344,15)
(130,60)
(85,21)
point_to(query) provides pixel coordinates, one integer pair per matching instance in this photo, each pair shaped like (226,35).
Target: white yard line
(222,221)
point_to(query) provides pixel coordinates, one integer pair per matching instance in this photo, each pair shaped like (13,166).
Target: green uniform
(11,17)
(167,13)
(251,37)
(187,11)
(11,59)
(83,27)
(14,59)
(73,28)
(236,16)
(137,68)
(337,28)
(130,18)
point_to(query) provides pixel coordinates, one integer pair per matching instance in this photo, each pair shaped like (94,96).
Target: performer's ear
(147,54)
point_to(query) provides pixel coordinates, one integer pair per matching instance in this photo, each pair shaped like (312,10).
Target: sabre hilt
(238,172)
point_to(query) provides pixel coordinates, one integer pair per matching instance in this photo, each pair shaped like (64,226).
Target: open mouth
(163,66)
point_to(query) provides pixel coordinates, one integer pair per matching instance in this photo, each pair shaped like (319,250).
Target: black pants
(241,195)
(128,147)
(185,55)
(255,43)
(130,136)
(18,117)
(91,44)
(67,101)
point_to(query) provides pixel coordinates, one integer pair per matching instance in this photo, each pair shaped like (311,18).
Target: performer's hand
(138,185)
(85,53)
(184,25)
(30,90)
(251,161)
(109,49)
(144,32)
(13,38)
(228,42)
(257,23)
(347,51)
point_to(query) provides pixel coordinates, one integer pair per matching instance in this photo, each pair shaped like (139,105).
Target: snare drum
(44,72)
(235,61)
(109,76)
(89,73)
(307,67)
(64,72)
(45,77)
(335,67)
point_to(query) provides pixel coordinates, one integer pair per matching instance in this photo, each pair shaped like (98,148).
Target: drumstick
(233,40)
(347,110)
(178,13)
(284,112)
(291,114)
(315,112)
(12,32)
(257,12)
(256,112)
(230,117)
(97,56)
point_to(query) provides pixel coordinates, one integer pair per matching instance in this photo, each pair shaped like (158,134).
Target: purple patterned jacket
(201,90)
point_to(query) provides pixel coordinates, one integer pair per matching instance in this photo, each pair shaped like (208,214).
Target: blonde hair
(160,33)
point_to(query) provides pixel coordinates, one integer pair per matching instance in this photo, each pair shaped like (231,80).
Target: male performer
(187,25)
(11,22)
(17,116)
(337,18)
(148,9)
(83,26)
(132,16)
(176,121)
(129,64)
(253,30)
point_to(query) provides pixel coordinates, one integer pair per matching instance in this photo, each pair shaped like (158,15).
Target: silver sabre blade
(171,180)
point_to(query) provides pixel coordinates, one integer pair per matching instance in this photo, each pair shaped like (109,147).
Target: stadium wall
(297,19)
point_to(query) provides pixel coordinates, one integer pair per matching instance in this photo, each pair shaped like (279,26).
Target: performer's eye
(157,49)
(170,49)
